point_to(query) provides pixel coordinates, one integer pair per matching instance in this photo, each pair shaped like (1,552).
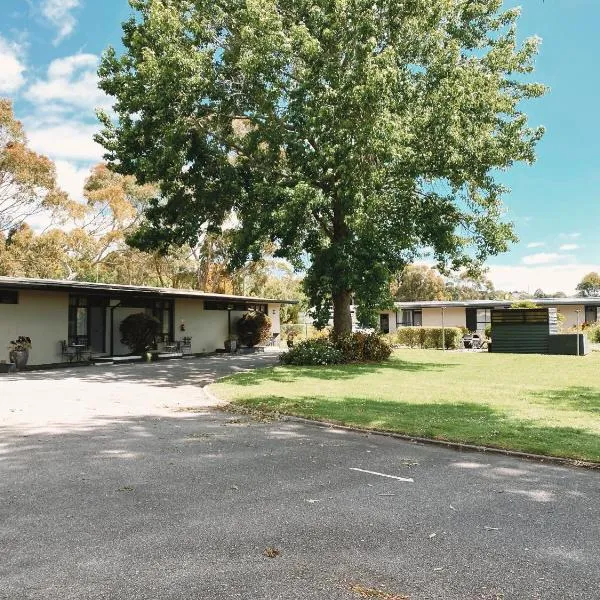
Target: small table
(79,349)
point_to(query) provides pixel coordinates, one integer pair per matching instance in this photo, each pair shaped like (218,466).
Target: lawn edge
(458,446)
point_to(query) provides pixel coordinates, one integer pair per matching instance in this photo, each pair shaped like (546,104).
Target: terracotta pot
(20,358)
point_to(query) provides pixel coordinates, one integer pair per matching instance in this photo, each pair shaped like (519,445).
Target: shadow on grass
(572,398)
(290,374)
(462,422)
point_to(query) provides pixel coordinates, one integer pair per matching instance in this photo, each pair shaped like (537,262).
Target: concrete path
(124,484)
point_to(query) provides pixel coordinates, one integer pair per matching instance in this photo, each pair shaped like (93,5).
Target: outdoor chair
(168,345)
(66,351)
(274,341)
(471,341)
(185,345)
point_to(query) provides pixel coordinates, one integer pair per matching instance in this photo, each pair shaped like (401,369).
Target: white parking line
(408,480)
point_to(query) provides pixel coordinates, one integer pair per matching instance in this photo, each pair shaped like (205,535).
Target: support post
(443,330)
(577,311)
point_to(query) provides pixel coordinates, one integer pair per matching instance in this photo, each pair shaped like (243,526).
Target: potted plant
(291,334)
(231,343)
(18,351)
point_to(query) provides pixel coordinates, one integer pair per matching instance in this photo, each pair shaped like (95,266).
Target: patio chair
(168,345)
(66,351)
(185,345)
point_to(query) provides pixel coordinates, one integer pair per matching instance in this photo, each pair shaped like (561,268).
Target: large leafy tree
(351,133)
(27,179)
(419,282)
(589,286)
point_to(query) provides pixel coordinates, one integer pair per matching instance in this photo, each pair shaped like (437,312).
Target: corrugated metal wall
(521,331)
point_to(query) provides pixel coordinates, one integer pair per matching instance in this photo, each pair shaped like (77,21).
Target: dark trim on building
(125,291)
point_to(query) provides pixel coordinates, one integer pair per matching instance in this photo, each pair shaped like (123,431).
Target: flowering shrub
(313,352)
(21,344)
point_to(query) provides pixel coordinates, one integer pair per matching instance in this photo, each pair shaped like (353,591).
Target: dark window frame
(408,317)
(9,297)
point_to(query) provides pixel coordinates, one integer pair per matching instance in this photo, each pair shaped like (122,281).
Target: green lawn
(540,404)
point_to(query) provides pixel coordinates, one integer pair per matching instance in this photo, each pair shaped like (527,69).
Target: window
(163,311)
(9,297)
(412,318)
(484,318)
(78,318)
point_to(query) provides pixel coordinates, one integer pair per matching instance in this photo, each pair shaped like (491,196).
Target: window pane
(417,318)
(483,318)
(82,321)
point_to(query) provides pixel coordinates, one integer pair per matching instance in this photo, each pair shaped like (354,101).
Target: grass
(540,404)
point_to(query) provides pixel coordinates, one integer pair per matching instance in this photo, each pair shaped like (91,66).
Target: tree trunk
(342,317)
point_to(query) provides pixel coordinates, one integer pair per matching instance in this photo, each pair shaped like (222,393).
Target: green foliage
(349,133)
(488,332)
(363,347)
(139,331)
(253,328)
(524,304)
(589,286)
(316,351)
(350,348)
(593,333)
(420,282)
(429,337)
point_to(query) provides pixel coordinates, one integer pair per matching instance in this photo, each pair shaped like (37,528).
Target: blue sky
(48,56)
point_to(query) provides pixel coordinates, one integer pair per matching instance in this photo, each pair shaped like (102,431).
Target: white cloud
(535,244)
(542,258)
(570,236)
(569,247)
(59,14)
(550,278)
(67,141)
(71,82)
(71,178)
(11,67)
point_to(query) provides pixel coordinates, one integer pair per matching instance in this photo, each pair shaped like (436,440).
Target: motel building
(60,315)
(475,315)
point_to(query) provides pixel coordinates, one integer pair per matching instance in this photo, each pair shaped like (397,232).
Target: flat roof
(63,285)
(497,303)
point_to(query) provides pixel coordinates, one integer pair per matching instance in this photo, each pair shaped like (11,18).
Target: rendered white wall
(274,315)
(453,317)
(207,328)
(570,316)
(42,316)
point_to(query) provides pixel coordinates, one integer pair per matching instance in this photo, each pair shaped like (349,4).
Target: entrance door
(97,317)
(384,323)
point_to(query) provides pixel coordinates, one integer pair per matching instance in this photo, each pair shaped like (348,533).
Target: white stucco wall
(275,318)
(207,328)
(42,316)
(570,316)
(453,317)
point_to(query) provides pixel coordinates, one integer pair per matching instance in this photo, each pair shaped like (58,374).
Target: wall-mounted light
(182,325)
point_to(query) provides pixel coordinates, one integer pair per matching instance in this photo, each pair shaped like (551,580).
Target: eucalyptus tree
(349,133)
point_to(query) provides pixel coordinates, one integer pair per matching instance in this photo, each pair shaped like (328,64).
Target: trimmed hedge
(363,347)
(316,351)
(428,337)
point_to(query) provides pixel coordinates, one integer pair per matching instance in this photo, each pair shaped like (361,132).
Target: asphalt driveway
(126,483)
